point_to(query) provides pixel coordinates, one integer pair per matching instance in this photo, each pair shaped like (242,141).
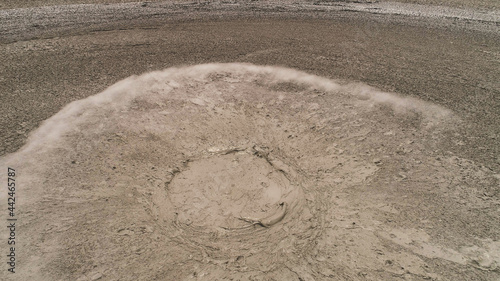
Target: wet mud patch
(213,171)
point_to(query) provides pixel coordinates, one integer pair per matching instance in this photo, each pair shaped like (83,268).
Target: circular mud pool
(241,171)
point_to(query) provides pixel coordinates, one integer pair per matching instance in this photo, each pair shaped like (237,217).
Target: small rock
(197,101)
(147,229)
(338,180)
(96,276)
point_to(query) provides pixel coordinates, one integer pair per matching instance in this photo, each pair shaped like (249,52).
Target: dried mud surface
(478,4)
(262,155)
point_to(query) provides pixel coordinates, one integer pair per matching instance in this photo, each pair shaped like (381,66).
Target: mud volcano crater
(234,171)
(234,203)
(211,191)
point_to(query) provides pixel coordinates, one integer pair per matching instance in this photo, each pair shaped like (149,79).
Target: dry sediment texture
(61,54)
(478,4)
(148,180)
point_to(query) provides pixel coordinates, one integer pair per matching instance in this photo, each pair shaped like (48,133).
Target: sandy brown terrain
(273,160)
(478,4)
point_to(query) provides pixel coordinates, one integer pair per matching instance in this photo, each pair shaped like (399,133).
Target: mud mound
(234,170)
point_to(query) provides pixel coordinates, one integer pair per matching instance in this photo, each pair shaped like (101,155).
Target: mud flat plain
(252,140)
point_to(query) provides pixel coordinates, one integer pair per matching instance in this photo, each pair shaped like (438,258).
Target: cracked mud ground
(147,180)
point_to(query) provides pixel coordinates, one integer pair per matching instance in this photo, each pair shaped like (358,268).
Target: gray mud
(155,173)
(242,171)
